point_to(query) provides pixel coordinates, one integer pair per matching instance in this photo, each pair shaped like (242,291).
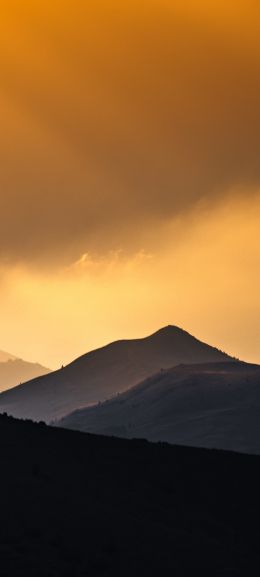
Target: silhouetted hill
(75,505)
(212,405)
(14,371)
(102,373)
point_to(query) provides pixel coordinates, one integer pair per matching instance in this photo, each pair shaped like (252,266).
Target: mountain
(104,372)
(77,505)
(215,405)
(14,371)
(4,357)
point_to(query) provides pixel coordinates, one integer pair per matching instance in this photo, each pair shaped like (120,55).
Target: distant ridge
(14,371)
(104,372)
(4,357)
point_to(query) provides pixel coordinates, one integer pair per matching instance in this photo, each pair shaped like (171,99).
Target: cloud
(208,283)
(118,117)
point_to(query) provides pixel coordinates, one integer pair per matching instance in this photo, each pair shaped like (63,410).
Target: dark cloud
(119,115)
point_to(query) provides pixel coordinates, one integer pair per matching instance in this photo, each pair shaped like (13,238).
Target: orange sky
(129,173)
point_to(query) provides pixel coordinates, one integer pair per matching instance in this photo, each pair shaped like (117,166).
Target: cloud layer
(118,116)
(208,283)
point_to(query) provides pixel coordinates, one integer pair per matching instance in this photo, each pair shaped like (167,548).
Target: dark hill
(102,373)
(75,505)
(211,405)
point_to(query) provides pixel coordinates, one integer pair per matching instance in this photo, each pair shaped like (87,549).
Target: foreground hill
(210,405)
(105,372)
(14,371)
(76,505)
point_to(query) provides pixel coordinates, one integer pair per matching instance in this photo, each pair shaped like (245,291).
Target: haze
(129,173)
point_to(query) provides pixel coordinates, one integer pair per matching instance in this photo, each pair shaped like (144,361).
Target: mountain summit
(102,373)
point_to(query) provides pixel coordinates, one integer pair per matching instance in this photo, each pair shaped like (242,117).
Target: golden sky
(129,173)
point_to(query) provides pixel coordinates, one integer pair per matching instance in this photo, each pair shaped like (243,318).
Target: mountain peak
(171,331)
(104,372)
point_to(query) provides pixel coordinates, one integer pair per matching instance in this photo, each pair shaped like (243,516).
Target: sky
(129,173)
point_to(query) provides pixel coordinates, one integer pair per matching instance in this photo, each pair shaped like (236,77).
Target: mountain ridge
(101,373)
(14,370)
(5,356)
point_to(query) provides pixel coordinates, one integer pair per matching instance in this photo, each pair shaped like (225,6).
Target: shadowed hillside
(212,405)
(102,373)
(78,505)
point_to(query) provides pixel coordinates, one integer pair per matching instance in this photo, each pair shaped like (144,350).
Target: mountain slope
(104,372)
(14,371)
(211,405)
(78,505)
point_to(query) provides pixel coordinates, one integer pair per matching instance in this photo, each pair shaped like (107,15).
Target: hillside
(14,371)
(78,505)
(104,372)
(211,405)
